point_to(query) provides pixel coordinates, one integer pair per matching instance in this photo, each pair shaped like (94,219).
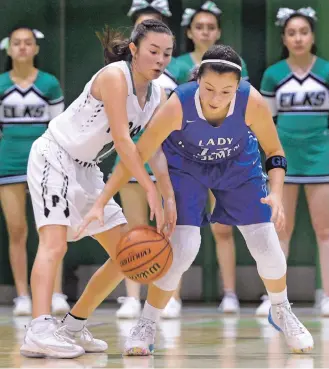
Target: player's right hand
(96,213)
(155,205)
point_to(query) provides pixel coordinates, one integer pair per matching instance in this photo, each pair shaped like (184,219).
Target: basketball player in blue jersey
(214,125)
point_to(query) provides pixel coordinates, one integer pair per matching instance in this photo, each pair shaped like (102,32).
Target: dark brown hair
(116,47)
(222,52)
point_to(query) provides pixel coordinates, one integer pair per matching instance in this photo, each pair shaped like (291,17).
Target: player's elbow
(275,151)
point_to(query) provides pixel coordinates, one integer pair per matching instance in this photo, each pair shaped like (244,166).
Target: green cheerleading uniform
(24,116)
(187,64)
(301,105)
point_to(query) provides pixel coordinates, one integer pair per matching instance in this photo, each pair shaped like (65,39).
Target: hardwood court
(202,338)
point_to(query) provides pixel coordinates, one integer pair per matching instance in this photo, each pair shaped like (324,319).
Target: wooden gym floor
(202,338)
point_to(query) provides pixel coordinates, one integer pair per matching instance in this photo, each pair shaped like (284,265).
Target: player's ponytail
(116,47)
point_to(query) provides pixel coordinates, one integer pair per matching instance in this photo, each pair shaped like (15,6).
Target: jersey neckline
(33,84)
(149,88)
(200,112)
(301,78)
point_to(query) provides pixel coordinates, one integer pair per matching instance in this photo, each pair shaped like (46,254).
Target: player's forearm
(132,160)
(118,178)
(159,166)
(121,176)
(276,180)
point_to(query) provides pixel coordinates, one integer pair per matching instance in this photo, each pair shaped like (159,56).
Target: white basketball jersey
(167,82)
(83,129)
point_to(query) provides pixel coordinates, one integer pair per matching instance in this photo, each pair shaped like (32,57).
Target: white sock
(42,318)
(151,313)
(277,298)
(73,323)
(41,323)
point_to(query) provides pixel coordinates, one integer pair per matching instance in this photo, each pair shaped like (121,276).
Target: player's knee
(54,248)
(263,244)
(17,234)
(53,241)
(185,241)
(56,251)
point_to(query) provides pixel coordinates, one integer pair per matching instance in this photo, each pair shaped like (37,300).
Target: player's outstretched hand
(278,218)
(170,217)
(155,207)
(96,213)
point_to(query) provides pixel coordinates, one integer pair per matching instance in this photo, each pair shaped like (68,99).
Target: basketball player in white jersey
(64,178)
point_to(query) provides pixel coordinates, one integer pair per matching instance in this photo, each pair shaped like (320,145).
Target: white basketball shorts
(63,191)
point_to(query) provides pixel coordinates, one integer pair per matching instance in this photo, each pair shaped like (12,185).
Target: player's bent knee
(55,250)
(185,241)
(264,246)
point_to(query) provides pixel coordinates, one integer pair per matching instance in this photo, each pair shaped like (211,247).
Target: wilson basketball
(144,255)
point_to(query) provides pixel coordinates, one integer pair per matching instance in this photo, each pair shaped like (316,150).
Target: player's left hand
(170,216)
(278,217)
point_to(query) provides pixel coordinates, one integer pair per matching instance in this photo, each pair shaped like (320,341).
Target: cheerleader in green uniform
(203,30)
(297,89)
(29,99)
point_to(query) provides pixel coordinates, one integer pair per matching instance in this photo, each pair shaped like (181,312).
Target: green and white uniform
(168,83)
(301,105)
(187,64)
(24,116)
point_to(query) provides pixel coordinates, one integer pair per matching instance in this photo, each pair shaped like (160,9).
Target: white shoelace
(291,324)
(143,330)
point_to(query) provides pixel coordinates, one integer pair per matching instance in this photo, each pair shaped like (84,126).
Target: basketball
(144,255)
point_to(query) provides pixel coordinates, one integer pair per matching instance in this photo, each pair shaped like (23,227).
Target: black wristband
(276,161)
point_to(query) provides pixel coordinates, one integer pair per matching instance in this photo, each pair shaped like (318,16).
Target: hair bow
(285,13)
(209,6)
(4,43)
(160,6)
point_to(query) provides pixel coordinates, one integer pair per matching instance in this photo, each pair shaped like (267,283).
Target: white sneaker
(83,338)
(264,307)
(324,306)
(59,304)
(130,309)
(172,310)
(43,339)
(22,306)
(141,339)
(284,320)
(230,304)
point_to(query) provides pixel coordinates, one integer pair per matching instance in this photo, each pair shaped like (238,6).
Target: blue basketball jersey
(223,159)
(198,140)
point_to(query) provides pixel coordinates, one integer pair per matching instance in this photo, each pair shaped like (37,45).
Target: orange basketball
(144,255)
